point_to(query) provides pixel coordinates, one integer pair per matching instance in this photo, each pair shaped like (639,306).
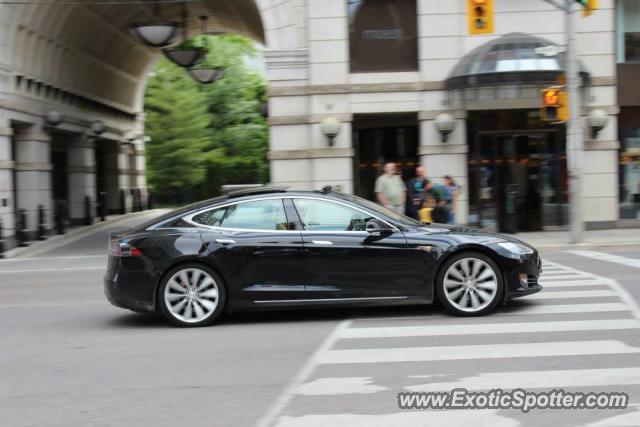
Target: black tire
(213,317)
(440,284)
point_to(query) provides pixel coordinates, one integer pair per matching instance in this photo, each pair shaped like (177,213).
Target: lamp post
(155,33)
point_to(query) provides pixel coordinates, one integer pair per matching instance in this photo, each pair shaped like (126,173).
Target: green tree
(204,136)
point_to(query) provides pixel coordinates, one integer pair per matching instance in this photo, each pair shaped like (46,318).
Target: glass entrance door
(518,180)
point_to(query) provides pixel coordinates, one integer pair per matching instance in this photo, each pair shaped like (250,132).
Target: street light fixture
(53,118)
(182,55)
(330,127)
(97,127)
(155,33)
(445,124)
(597,120)
(206,74)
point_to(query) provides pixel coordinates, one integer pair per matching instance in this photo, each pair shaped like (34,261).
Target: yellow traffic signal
(480,16)
(555,107)
(588,6)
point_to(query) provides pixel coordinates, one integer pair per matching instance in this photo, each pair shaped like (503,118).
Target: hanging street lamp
(205,74)
(155,33)
(185,54)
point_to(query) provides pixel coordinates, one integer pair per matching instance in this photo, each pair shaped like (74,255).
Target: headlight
(516,248)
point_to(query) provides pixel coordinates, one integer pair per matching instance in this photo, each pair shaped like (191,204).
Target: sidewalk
(558,239)
(75,233)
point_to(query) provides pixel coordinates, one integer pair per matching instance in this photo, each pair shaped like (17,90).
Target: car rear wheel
(192,295)
(469,284)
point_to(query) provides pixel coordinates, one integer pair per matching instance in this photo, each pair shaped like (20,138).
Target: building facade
(389,70)
(72,83)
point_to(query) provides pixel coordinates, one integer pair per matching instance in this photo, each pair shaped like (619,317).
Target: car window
(320,215)
(258,215)
(385,212)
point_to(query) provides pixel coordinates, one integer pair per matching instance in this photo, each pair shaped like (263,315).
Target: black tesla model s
(275,248)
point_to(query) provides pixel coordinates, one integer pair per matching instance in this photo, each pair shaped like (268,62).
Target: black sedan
(275,248)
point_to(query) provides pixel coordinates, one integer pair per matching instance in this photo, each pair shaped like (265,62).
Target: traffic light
(480,16)
(588,5)
(555,107)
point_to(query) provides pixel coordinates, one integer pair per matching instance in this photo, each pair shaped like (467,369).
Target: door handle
(322,242)
(225,241)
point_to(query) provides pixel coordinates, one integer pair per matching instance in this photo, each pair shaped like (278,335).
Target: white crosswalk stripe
(538,343)
(602,256)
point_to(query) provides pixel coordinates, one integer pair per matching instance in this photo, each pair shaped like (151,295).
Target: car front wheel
(469,284)
(192,295)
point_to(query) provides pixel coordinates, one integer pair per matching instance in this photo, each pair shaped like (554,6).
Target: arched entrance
(80,62)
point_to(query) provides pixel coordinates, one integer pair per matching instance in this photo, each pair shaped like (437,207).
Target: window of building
(628,30)
(383,35)
(629,174)
(258,215)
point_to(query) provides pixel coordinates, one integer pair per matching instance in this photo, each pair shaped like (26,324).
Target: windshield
(396,217)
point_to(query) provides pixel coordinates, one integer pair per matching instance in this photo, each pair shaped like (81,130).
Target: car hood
(467,234)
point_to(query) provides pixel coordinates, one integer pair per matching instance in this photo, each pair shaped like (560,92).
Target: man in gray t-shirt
(390,190)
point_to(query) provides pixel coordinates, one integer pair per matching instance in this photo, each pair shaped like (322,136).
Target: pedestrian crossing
(603,256)
(581,334)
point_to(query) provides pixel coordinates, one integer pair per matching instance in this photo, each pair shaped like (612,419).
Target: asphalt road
(68,358)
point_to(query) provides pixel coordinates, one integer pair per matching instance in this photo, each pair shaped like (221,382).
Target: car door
(256,248)
(343,261)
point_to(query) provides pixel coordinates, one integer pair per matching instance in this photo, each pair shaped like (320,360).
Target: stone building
(72,81)
(387,70)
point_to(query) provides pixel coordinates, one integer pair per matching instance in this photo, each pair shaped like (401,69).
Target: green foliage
(204,136)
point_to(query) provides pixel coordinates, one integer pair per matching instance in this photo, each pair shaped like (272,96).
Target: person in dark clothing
(416,193)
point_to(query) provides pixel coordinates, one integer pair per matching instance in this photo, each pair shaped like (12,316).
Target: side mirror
(375,226)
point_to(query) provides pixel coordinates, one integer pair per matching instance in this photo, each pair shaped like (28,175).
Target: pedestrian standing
(390,190)
(451,190)
(416,193)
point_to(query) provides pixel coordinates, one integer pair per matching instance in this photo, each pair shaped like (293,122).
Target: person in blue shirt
(451,190)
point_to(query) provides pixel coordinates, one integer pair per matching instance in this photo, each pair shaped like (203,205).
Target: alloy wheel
(470,284)
(191,295)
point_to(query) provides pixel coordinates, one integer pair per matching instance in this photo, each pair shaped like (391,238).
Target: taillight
(119,249)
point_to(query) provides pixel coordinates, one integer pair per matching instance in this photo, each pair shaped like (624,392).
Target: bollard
(42,227)
(138,200)
(149,200)
(102,205)
(88,217)
(123,203)
(1,241)
(59,216)
(21,228)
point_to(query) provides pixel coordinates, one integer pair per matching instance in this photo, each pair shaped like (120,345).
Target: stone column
(140,171)
(6,185)
(449,158)
(117,177)
(81,176)
(332,165)
(33,173)
(125,177)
